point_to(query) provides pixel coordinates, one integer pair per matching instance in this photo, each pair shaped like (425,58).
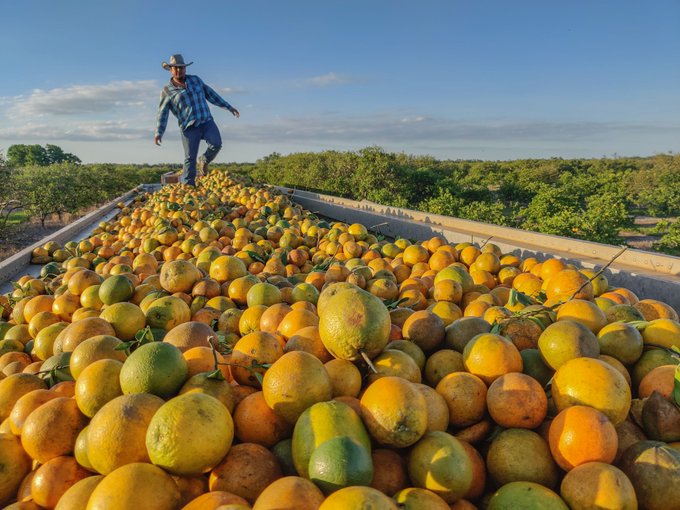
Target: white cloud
(83,99)
(327,79)
(100,131)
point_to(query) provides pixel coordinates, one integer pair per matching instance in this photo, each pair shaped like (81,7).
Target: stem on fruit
(368,361)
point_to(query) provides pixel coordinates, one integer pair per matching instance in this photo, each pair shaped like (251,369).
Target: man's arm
(162,116)
(214,98)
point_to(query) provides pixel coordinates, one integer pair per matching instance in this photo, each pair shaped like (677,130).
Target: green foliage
(584,198)
(670,242)
(36,155)
(67,187)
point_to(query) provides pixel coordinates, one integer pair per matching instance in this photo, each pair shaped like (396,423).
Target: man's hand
(235,112)
(157,139)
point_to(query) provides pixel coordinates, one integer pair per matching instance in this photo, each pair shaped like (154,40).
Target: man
(187,97)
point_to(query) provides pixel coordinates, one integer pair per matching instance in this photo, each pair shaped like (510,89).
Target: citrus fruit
(354,321)
(157,368)
(189,434)
(116,434)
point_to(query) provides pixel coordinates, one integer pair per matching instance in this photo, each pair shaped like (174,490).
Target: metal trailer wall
(648,274)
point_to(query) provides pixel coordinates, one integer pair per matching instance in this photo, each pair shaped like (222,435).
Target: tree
(21,155)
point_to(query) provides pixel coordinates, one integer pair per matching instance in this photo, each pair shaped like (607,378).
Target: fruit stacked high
(220,345)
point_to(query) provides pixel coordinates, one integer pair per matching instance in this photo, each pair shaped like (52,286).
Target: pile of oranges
(220,347)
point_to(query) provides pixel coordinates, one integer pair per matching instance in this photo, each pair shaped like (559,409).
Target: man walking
(187,97)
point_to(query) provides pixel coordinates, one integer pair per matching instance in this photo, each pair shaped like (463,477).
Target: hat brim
(168,66)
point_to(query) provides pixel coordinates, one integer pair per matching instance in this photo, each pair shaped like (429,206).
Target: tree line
(592,199)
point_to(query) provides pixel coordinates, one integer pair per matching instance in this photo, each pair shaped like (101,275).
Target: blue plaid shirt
(188,104)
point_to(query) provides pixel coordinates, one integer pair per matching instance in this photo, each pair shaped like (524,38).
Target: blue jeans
(191,137)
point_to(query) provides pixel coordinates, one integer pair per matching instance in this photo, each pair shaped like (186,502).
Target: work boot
(201,167)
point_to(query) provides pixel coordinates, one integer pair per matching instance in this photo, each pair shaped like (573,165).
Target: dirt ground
(18,237)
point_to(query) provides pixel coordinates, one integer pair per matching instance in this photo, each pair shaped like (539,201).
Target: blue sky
(453,79)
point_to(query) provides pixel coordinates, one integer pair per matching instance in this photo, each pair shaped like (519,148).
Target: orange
(437,409)
(202,359)
(661,379)
(566,284)
(662,332)
(290,493)
(191,334)
(425,329)
(255,422)
(249,321)
(583,312)
(136,485)
(523,494)
(51,430)
(596,484)
(440,463)
(54,478)
(517,401)
(345,377)
(392,362)
(76,333)
(217,499)
(521,455)
(189,434)
(157,368)
(296,320)
(247,470)
(272,317)
(653,309)
(254,349)
(36,305)
(15,464)
(308,339)
(26,405)
(116,434)
(93,349)
(353,321)
(566,340)
(654,470)
(79,493)
(82,280)
(263,293)
(126,318)
(294,382)
(591,382)
(551,267)
(167,312)
(581,434)
(394,411)
(489,356)
(440,364)
(465,395)
(621,341)
(14,387)
(97,384)
(358,497)
(414,498)
(389,471)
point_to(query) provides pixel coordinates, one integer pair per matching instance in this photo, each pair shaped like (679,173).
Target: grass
(18,217)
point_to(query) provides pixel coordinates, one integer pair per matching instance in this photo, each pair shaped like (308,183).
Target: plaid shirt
(188,104)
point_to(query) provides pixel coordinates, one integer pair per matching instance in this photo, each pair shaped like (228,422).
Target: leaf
(497,328)
(639,325)
(216,375)
(124,346)
(256,257)
(541,297)
(391,304)
(259,377)
(676,386)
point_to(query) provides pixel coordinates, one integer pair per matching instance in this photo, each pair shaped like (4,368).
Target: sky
(456,79)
